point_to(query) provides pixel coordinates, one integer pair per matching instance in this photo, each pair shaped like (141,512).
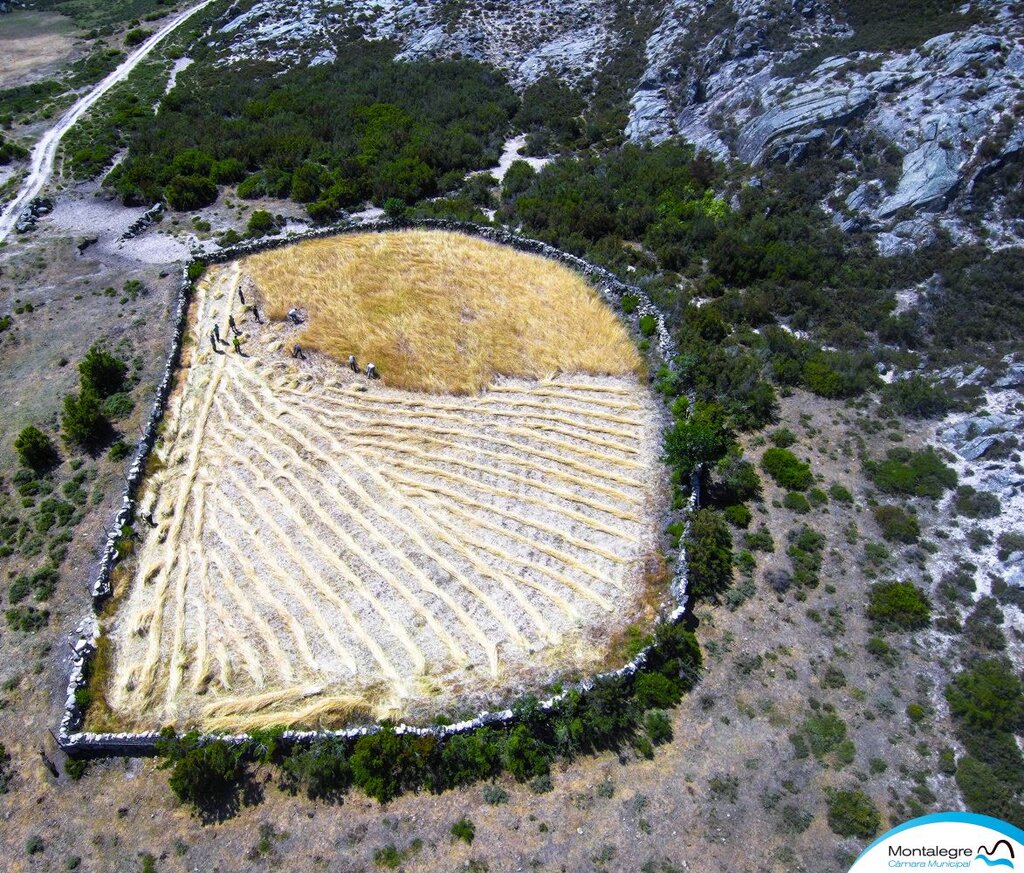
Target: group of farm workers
(294,316)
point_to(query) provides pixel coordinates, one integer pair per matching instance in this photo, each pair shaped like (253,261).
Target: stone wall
(77,742)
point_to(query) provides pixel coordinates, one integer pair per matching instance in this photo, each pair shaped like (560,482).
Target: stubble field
(323,547)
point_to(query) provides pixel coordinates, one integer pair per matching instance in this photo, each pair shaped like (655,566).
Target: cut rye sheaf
(328,547)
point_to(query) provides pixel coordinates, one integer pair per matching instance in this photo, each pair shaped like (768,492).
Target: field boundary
(70,736)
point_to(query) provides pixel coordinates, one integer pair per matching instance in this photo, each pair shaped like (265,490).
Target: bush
(467,758)
(322,770)
(787,469)
(495,795)
(976,504)
(27,619)
(898,605)
(795,501)
(708,554)
(464,830)
(840,493)
(385,763)
(136,36)
(260,223)
(988,697)
(897,526)
(760,540)
(101,373)
(658,727)
(202,774)
(648,325)
(782,437)
(655,691)
(825,732)
(737,515)
(701,438)
(35,449)
(985,793)
(82,421)
(524,756)
(914,474)
(853,814)
(118,406)
(805,551)
(917,397)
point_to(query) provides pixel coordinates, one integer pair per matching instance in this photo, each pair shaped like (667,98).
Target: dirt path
(45,151)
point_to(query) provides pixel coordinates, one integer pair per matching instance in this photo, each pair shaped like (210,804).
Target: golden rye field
(442,312)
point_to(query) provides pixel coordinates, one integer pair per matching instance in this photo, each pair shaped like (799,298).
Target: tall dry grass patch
(442,312)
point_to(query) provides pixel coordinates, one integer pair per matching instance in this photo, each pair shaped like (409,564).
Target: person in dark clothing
(241,296)
(233,326)
(256,314)
(216,332)
(298,353)
(213,341)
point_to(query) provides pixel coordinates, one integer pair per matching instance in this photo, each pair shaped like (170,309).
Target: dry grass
(442,312)
(328,548)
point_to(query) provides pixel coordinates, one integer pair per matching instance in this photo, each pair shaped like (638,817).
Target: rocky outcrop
(803,112)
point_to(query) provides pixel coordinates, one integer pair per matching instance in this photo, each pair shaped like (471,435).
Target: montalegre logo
(946,841)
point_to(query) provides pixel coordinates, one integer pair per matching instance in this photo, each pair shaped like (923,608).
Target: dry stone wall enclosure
(323,407)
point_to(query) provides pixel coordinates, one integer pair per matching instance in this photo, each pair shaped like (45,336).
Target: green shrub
(701,438)
(467,758)
(737,515)
(787,469)
(805,550)
(82,421)
(202,773)
(898,605)
(195,269)
(655,691)
(136,36)
(795,501)
(260,223)
(629,301)
(322,770)
(35,449)
(853,814)
(760,540)
(101,372)
(464,830)
(387,857)
(34,845)
(119,451)
(27,619)
(988,697)
(985,793)
(385,763)
(897,526)
(782,437)
(118,406)
(648,325)
(915,712)
(840,493)
(658,727)
(708,554)
(824,732)
(976,504)
(914,474)
(917,397)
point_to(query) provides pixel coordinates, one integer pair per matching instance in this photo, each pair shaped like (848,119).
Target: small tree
(82,421)
(101,372)
(35,449)
(708,554)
